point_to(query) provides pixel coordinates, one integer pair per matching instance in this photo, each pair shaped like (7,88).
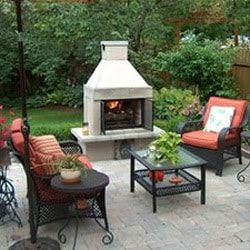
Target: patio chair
(216,147)
(48,204)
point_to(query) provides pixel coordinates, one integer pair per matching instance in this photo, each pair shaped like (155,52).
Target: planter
(70,176)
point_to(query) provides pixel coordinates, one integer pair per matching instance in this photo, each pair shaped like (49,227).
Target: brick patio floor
(180,222)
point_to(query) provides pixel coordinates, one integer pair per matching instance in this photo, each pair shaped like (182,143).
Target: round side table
(91,187)
(245,135)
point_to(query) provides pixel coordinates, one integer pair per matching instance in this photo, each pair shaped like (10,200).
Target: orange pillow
(46,150)
(46,144)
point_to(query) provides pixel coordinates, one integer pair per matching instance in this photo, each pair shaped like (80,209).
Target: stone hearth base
(115,143)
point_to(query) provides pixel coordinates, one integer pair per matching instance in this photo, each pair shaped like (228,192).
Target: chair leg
(239,154)
(219,167)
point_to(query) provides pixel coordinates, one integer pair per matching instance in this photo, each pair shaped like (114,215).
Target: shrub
(173,102)
(61,132)
(203,65)
(69,96)
(171,124)
(37,101)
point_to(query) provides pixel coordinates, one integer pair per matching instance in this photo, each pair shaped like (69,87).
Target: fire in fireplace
(121,114)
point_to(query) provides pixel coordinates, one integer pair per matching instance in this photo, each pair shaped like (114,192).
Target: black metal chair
(46,204)
(228,140)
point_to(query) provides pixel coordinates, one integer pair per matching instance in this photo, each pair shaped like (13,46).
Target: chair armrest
(70,147)
(43,177)
(224,132)
(189,126)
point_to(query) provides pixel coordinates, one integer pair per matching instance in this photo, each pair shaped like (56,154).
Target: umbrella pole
(33,242)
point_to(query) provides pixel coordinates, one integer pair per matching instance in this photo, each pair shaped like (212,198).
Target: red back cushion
(46,150)
(16,125)
(18,142)
(46,144)
(17,136)
(239,105)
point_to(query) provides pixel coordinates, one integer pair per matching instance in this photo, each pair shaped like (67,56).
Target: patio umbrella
(33,242)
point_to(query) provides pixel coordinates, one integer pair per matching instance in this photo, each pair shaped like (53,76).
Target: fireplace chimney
(114,50)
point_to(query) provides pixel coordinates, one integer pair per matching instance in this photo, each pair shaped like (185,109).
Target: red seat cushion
(204,139)
(16,125)
(239,105)
(85,161)
(18,142)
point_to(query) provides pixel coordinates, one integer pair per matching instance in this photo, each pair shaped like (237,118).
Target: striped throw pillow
(46,150)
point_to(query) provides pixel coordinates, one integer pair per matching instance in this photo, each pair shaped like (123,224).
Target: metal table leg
(108,238)
(203,184)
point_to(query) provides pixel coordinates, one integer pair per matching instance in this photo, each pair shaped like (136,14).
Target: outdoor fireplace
(122,114)
(116,96)
(117,107)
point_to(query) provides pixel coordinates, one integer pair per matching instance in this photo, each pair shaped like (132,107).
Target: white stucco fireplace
(117,106)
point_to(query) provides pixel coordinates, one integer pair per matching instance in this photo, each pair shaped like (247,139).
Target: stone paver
(180,222)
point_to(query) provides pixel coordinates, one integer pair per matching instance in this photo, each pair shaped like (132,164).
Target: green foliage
(36,101)
(70,96)
(203,65)
(44,121)
(171,124)
(173,102)
(73,96)
(70,162)
(164,148)
(60,131)
(62,41)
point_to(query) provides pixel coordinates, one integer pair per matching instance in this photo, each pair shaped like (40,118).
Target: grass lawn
(54,120)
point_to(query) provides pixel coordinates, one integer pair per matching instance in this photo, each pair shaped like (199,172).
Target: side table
(92,187)
(8,201)
(245,135)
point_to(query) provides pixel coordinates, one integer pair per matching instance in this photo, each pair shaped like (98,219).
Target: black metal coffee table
(92,187)
(189,182)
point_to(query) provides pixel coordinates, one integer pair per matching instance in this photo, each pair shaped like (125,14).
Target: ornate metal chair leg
(240,176)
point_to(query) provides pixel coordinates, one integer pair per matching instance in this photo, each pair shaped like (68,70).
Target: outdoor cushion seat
(204,139)
(211,146)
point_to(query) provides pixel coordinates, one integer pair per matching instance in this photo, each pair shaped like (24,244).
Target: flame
(112,104)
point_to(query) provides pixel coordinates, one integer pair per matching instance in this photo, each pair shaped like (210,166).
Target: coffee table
(189,183)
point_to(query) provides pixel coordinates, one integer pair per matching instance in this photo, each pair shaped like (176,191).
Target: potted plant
(71,169)
(164,148)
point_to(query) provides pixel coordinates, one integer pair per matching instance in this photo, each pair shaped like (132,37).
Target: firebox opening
(120,114)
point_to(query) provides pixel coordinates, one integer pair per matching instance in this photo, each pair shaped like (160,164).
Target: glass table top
(186,160)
